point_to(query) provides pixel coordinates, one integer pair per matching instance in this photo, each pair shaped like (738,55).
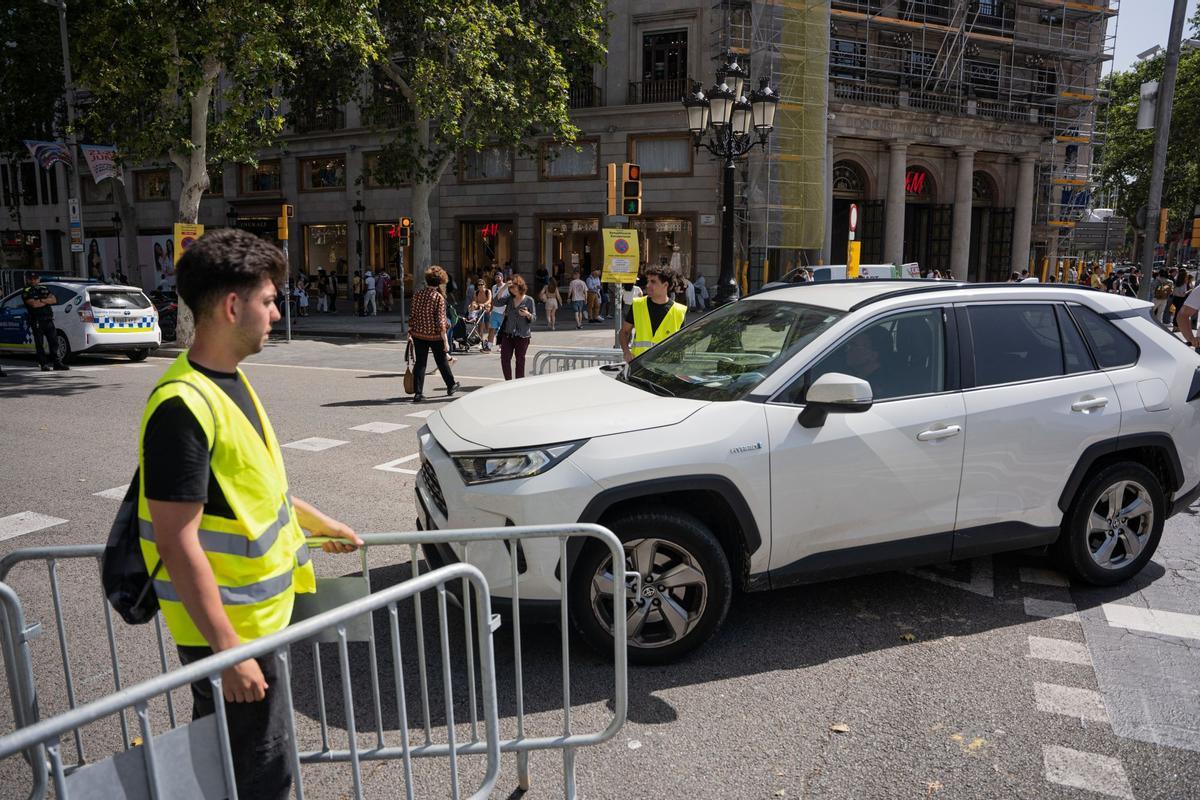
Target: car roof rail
(934,286)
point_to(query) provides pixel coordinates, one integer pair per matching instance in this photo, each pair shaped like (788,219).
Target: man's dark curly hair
(226,260)
(664,274)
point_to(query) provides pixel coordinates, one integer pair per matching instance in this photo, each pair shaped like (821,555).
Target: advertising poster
(156,254)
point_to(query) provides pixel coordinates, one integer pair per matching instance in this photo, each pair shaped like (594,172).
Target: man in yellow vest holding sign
(220,532)
(652,318)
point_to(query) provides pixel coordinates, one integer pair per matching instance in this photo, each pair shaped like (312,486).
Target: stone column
(960,236)
(1023,216)
(893,229)
(827,245)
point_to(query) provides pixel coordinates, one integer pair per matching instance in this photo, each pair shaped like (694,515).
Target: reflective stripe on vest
(643,337)
(259,558)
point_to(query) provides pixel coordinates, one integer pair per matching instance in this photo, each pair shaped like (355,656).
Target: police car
(89,317)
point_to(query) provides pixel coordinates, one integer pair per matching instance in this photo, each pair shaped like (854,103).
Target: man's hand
(244,683)
(317,524)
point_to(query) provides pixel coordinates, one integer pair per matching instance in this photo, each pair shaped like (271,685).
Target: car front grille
(429,476)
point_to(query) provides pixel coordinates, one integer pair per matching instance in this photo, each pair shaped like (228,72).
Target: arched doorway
(927,225)
(850,187)
(990,256)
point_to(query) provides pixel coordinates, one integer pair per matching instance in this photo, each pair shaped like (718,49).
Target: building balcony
(666,90)
(587,95)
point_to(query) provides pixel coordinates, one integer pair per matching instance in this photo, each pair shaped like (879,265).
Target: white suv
(818,431)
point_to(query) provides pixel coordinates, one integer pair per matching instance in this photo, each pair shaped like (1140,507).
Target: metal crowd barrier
(562,359)
(340,593)
(196,759)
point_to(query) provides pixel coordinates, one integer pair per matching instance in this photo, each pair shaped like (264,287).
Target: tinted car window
(1014,343)
(1075,352)
(61,294)
(1111,347)
(118,299)
(14,302)
(900,356)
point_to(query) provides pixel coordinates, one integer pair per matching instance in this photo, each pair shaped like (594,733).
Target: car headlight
(511,464)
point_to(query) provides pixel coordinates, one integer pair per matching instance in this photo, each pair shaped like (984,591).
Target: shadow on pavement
(765,631)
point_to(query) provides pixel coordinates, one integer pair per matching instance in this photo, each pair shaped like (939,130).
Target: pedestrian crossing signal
(631,189)
(405,231)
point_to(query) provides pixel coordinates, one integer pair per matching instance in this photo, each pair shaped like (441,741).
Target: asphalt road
(988,679)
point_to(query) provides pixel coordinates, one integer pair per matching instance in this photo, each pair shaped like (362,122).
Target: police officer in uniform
(39,301)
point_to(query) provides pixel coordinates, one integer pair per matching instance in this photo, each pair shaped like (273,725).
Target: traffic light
(405,231)
(631,189)
(612,190)
(1162,226)
(286,211)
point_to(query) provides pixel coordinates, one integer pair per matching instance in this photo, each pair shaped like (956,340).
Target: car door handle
(933,434)
(1089,404)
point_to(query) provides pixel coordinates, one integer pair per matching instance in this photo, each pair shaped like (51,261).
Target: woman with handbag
(515,327)
(427,332)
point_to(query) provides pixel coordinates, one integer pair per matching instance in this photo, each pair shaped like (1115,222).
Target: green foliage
(467,74)
(31,79)
(1128,153)
(147,61)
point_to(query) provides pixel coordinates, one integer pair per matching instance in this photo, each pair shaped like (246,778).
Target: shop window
(216,182)
(847,59)
(662,155)
(325,247)
(95,193)
(262,178)
(486,246)
(153,185)
(666,241)
(371,173)
(570,244)
(8,186)
(28,184)
(918,185)
(322,174)
(49,186)
(489,165)
(567,161)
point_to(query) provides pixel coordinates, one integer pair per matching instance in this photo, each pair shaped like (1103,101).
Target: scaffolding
(1036,63)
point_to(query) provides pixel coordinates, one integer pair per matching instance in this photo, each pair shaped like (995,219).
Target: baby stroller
(464,330)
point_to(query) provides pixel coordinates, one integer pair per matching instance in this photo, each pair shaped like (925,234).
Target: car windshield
(117,298)
(729,352)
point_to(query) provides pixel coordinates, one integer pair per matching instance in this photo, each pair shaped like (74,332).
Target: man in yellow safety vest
(652,318)
(217,520)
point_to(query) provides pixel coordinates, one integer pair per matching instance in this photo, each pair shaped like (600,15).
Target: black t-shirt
(658,312)
(38,292)
(175,450)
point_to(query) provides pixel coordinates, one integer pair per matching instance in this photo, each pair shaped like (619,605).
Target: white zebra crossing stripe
(115,493)
(88,369)
(1166,623)
(314,444)
(429,412)
(1059,650)
(1050,609)
(24,522)
(1046,577)
(1070,702)
(393,466)
(1091,772)
(379,427)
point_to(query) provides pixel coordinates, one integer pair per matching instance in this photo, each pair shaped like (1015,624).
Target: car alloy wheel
(1120,524)
(666,593)
(62,347)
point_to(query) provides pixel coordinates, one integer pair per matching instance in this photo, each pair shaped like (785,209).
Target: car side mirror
(835,393)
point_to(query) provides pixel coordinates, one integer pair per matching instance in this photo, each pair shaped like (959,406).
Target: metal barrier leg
(116,664)
(523,777)
(66,655)
(162,659)
(316,648)
(468,626)
(218,695)
(444,635)
(416,570)
(348,701)
(402,703)
(143,715)
(283,660)
(565,621)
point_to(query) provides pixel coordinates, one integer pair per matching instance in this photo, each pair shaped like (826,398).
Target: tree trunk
(422,252)
(131,265)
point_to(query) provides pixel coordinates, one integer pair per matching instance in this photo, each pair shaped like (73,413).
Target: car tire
(138,355)
(62,347)
(1101,546)
(678,548)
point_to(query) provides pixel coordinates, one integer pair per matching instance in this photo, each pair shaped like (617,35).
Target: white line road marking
(379,427)
(426,414)
(115,493)
(1051,609)
(314,444)
(137,366)
(1046,577)
(1167,623)
(1059,650)
(19,524)
(981,577)
(348,369)
(1091,772)
(391,465)
(88,369)
(1070,702)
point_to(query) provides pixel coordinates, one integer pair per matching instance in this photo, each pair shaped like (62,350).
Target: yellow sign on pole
(853,255)
(621,255)
(186,236)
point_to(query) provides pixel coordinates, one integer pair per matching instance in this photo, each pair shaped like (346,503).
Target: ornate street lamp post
(734,125)
(360,213)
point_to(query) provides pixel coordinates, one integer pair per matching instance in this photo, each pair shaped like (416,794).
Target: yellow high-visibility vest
(643,337)
(259,559)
